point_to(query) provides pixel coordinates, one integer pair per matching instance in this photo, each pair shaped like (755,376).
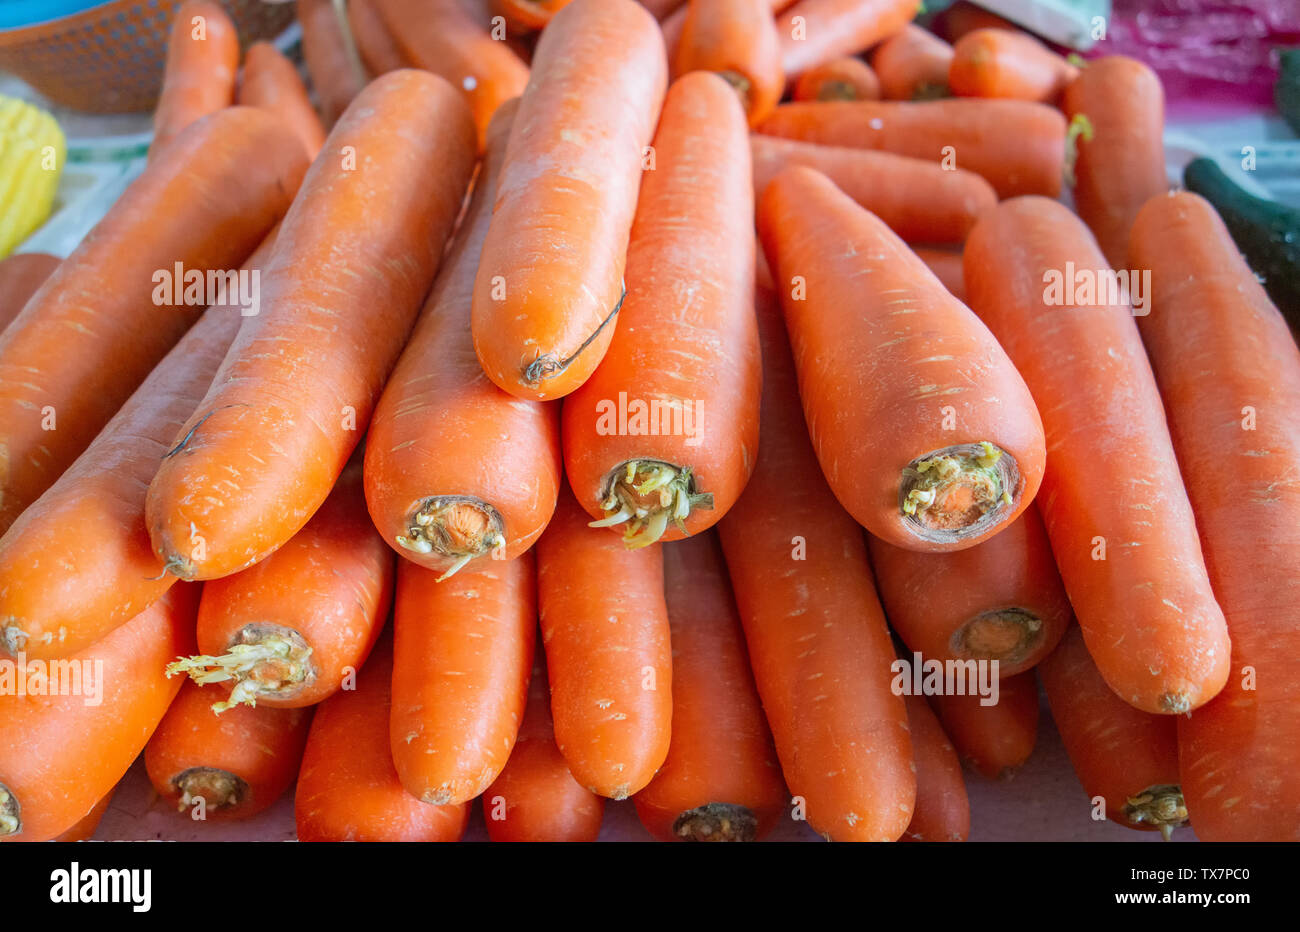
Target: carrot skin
(605,629)
(1008,64)
(995,740)
(868,321)
(551,273)
(696,348)
(1017,145)
(917,199)
(1239,755)
(1119,753)
(348,789)
(818,644)
(529,14)
(20,276)
(88,826)
(942,810)
(912,65)
(376,45)
(507,468)
(355,257)
(238,171)
(271,81)
(738,40)
(536,798)
(255,752)
(721,780)
(462,652)
(999,600)
(845,78)
(815,31)
(1122,529)
(336,74)
(199,77)
(60,754)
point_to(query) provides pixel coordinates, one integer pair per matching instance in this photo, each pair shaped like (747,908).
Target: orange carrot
(737,39)
(1000,600)
(1237,435)
(199,79)
(61,754)
(293,629)
(56,607)
(462,653)
(946,266)
(550,279)
(963,17)
(271,81)
(376,45)
(661,8)
(200,208)
(331,59)
(86,828)
(348,788)
(955,442)
(1125,758)
(225,767)
(20,276)
(535,798)
(917,199)
(666,429)
(1017,145)
(845,78)
(605,627)
(441,36)
(912,65)
(721,780)
(530,14)
(354,258)
(1117,107)
(820,651)
(1010,64)
(497,492)
(995,740)
(815,31)
(942,810)
(1121,528)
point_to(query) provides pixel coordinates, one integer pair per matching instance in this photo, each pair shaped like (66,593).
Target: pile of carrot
(682,379)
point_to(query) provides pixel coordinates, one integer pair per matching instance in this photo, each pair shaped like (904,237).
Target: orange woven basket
(109,59)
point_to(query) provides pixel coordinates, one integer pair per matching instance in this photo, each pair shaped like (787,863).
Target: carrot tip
(716,822)
(958,491)
(11,822)
(1175,703)
(549,365)
(1005,635)
(1159,806)
(219,789)
(647,494)
(263,661)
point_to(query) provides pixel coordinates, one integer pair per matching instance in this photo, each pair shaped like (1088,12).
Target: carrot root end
(1006,635)
(262,661)
(716,822)
(958,491)
(219,789)
(647,494)
(1160,806)
(11,816)
(459,527)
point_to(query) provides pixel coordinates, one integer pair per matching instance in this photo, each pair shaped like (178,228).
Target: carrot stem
(11,822)
(648,494)
(1161,806)
(1007,635)
(717,822)
(264,661)
(957,491)
(219,789)
(458,526)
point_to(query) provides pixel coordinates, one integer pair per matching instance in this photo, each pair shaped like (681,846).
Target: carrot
(228,767)
(86,828)
(737,40)
(354,258)
(497,492)
(101,579)
(1017,145)
(815,31)
(61,754)
(331,58)
(955,442)
(666,429)
(530,14)
(1121,528)
(661,8)
(818,644)
(1117,107)
(912,65)
(441,36)
(462,653)
(202,207)
(536,798)
(376,44)
(1123,756)
(994,740)
(1009,64)
(942,811)
(946,266)
(292,630)
(963,17)
(20,276)
(674,22)
(845,78)
(271,81)
(605,627)
(917,199)
(721,780)
(199,78)
(1000,600)
(1237,435)
(348,788)
(550,278)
